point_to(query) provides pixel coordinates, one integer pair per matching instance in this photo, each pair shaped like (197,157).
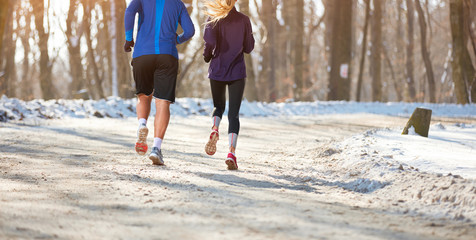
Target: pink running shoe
(211,146)
(231,162)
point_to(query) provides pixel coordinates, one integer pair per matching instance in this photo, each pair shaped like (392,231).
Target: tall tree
(3,18)
(124,72)
(298,64)
(364,50)
(46,83)
(470,27)
(10,71)
(251,92)
(409,49)
(400,56)
(463,73)
(95,84)
(25,35)
(268,16)
(376,56)
(426,52)
(341,51)
(74,32)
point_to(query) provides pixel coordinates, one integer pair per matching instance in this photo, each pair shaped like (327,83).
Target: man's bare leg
(162,117)
(143,106)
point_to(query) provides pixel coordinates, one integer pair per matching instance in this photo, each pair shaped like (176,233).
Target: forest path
(81,179)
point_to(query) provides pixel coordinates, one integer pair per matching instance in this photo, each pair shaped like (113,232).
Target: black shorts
(156,74)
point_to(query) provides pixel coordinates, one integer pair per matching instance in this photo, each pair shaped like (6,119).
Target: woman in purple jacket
(228,35)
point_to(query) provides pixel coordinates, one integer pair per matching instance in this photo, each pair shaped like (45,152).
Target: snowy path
(80,179)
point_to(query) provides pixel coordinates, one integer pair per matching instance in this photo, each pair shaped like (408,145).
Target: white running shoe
(141,144)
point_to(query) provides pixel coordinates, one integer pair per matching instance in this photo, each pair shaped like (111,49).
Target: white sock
(143,121)
(158,143)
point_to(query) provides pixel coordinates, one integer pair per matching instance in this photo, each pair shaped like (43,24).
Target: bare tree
(463,72)
(364,50)
(124,72)
(268,16)
(95,84)
(425,52)
(47,87)
(410,46)
(341,50)
(298,36)
(251,92)
(74,32)
(376,56)
(3,19)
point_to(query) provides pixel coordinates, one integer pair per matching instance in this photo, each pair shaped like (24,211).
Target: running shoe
(211,146)
(156,156)
(231,162)
(141,144)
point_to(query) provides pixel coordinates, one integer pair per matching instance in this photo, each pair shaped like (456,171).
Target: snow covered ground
(449,149)
(349,170)
(14,109)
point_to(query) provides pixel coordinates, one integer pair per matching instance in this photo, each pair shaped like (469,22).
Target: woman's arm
(249,43)
(210,37)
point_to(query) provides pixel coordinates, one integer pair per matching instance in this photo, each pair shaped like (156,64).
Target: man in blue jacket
(155,63)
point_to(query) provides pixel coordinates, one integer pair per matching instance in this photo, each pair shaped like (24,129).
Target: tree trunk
(341,44)
(10,71)
(98,90)
(269,58)
(392,72)
(74,31)
(420,121)
(111,51)
(469,10)
(46,83)
(461,75)
(425,52)
(364,50)
(3,19)
(376,56)
(400,35)
(124,72)
(410,45)
(251,92)
(298,19)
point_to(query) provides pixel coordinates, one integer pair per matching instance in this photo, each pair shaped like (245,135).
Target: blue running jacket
(158,22)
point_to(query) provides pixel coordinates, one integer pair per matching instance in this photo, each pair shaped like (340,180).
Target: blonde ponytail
(218,9)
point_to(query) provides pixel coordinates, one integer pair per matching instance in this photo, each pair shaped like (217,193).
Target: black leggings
(235,92)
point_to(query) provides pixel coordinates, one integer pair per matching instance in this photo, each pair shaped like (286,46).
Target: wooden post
(420,120)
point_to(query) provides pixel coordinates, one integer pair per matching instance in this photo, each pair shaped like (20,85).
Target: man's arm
(129,20)
(187,26)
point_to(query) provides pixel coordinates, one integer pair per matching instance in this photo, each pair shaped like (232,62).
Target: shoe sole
(231,164)
(211,147)
(141,144)
(156,160)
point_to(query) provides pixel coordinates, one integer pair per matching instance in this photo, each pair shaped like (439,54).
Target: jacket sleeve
(129,18)
(249,42)
(187,26)
(210,38)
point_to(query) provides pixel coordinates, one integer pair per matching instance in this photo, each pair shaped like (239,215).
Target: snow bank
(435,174)
(113,107)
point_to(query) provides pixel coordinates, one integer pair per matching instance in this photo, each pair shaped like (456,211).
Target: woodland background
(306,50)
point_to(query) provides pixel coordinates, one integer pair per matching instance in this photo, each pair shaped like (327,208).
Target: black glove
(128,45)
